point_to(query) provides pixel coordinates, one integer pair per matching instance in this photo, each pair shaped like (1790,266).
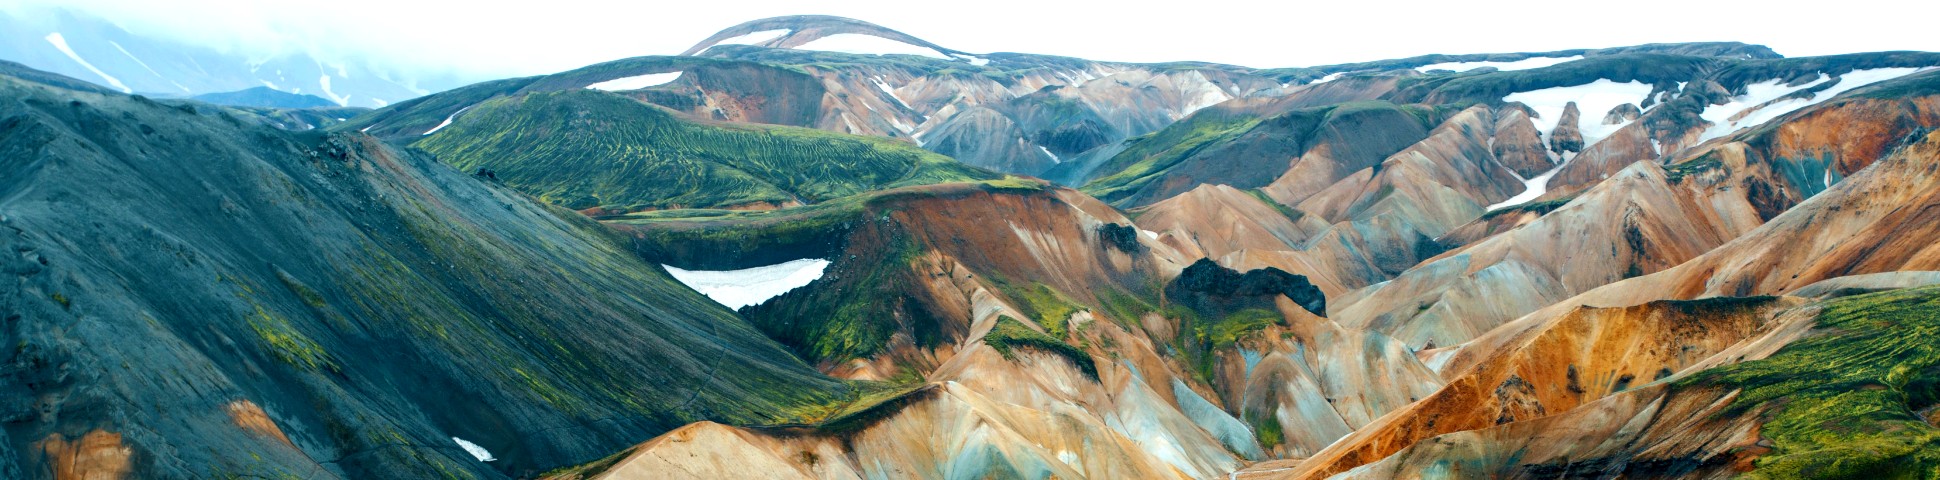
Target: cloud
(503,38)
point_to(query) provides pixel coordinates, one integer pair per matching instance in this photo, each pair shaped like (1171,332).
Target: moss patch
(1842,405)
(1010,335)
(289,345)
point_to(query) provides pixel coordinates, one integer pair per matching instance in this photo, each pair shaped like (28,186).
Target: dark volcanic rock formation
(1212,287)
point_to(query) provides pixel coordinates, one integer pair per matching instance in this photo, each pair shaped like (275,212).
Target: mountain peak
(823,32)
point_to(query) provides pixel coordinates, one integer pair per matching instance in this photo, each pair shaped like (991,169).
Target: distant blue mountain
(94,50)
(265,97)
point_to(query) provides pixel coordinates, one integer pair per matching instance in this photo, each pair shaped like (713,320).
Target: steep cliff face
(191,295)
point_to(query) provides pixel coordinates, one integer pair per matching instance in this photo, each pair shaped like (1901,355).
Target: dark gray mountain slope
(188,295)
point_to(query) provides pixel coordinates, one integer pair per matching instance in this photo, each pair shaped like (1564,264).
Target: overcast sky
(506,38)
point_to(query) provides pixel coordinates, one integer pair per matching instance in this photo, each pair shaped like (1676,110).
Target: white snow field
(477,452)
(1524,64)
(1750,110)
(1531,189)
(869,45)
(751,286)
(1593,101)
(755,38)
(60,43)
(636,82)
(442,125)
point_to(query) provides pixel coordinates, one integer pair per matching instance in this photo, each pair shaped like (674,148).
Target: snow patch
(755,38)
(446,123)
(891,91)
(60,43)
(1593,101)
(1532,188)
(1751,109)
(869,45)
(636,82)
(477,452)
(1524,64)
(1329,78)
(1047,153)
(1209,95)
(972,59)
(751,286)
(144,65)
(324,82)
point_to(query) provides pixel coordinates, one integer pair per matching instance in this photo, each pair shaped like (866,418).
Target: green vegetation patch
(1229,330)
(1151,155)
(1704,163)
(1843,404)
(1289,212)
(289,345)
(583,149)
(1010,335)
(1040,302)
(1268,430)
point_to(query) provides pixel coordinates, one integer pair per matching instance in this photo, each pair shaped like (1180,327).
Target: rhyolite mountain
(1669,260)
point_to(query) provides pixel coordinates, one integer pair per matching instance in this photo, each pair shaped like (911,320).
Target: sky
(499,38)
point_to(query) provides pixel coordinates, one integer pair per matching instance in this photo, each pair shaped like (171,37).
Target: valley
(818,247)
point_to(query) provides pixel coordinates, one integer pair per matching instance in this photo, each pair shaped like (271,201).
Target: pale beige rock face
(1222,220)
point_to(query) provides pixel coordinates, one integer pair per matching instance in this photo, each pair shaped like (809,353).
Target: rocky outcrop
(1568,135)
(1518,145)
(1122,237)
(1206,286)
(1622,114)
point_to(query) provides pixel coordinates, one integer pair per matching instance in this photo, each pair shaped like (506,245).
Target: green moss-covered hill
(1857,401)
(584,148)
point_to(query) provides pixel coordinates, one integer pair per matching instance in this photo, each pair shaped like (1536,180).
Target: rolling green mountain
(584,149)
